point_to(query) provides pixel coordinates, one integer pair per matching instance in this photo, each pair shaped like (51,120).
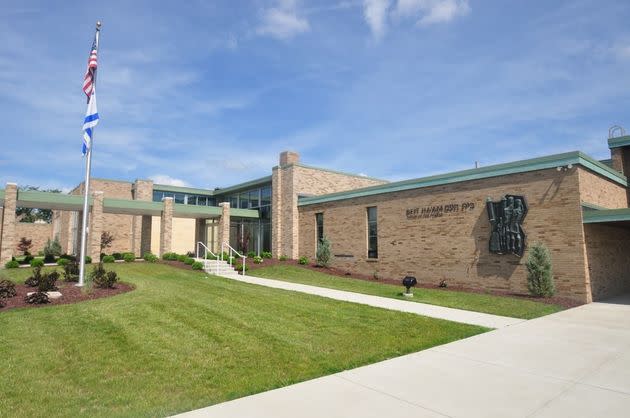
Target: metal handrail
(232,250)
(205,254)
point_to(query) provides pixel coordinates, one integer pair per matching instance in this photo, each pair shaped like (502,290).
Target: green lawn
(498,305)
(183,340)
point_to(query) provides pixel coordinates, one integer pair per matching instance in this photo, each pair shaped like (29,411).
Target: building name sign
(437,211)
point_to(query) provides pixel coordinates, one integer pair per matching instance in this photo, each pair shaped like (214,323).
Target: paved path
(457,315)
(575,363)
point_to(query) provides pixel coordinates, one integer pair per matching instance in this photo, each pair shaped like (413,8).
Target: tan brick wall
(454,247)
(600,191)
(141,190)
(292,180)
(37,233)
(96,226)
(7,246)
(608,261)
(166,226)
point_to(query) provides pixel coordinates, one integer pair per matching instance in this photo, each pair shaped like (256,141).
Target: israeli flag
(90,122)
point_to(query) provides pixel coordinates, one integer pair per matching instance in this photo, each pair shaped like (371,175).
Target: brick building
(435,228)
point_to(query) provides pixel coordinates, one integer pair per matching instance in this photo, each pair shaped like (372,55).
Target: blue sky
(207,94)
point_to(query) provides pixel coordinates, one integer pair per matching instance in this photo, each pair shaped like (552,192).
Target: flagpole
(86,189)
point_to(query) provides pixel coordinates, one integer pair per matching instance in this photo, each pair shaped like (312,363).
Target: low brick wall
(38,233)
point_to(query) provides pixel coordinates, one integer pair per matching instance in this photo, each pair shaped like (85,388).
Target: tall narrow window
(319,218)
(372,232)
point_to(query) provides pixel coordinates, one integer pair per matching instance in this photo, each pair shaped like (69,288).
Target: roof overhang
(608,216)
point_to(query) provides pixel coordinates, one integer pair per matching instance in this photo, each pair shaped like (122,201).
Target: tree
(323,252)
(25,245)
(106,240)
(539,271)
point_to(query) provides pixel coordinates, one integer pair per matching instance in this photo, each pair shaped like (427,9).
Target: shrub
(210,257)
(117,256)
(27,259)
(25,245)
(37,298)
(283,258)
(7,289)
(49,258)
(108,259)
(88,259)
(129,257)
(190,254)
(189,261)
(303,260)
(251,254)
(239,267)
(33,281)
(266,254)
(52,248)
(38,262)
(102,278)
(258,260)
(71,272)
(11,264)
(323,253)
(150,257)
(3,302)
(539,271)
(48,281)
(197,265)
(102,255)
(62,261)
(68,257)
(181,258)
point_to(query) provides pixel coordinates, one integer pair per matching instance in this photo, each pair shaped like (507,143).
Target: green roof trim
(620,141)
(132,207)
(47,200)
(336,172)
(242,186)
(605,215)
(181,189)
(244,213)
(523,166)
(591,206)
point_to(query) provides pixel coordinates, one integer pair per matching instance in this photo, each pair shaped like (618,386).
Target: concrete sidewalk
(575,363)
(434,311)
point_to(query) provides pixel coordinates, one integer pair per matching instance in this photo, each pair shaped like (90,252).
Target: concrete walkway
(575,363)
(434,311)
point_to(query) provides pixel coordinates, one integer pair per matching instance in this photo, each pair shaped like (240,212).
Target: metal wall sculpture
(506,219)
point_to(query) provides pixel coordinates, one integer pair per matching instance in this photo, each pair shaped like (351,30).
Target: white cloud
(167,180)
(375,13)
(431,11)
(282,22)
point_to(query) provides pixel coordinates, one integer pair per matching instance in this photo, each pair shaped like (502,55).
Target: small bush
(68,257)
(3,302)
(258,260)
(71,272)
(189,261)
(102,255)
(117,256)
(33,281)
(283,258)
(251,254)
(303,260)
(210,257)
(25,245)
(11,264)
(129,257)
(52,248)
(197,265)
(150,257)
(181,258)
(102,278)
(239,267)
(48,281)
(38,262)
(266,254)
(539,271)
(7,289)
(323,253)
(108,259)
(443,284)
(27,259)
(88,259)
(190,254)
(49,258)
(37,298)
(62,261)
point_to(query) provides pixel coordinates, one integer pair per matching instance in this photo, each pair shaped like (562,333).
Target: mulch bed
(70,292)
(564,302)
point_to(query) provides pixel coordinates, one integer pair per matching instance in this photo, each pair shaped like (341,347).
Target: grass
(497,305)
(182,340)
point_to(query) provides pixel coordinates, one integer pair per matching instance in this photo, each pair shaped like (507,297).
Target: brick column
(166,226)
(142,190)
(95,227)
(7,246)
(276,218)
(224,224)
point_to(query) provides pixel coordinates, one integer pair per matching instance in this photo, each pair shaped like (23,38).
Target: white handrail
(207,250)
(232,250)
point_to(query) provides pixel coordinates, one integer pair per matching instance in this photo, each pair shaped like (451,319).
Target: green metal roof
(179,189)
(620,141)
(242,186)
(207,192)
(515,167)
(47,200)
(132,207)
(605,215)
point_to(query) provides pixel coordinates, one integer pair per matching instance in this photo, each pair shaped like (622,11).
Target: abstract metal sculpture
(506,219)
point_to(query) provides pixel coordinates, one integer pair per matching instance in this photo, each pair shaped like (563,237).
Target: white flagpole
(86,189)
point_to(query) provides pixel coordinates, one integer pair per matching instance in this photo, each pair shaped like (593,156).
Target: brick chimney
(620,154)
(289,157)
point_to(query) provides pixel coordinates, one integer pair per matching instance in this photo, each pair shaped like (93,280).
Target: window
(234,201)
(243,200)
(265,196)
(319,219)
(254,198)
(372,232)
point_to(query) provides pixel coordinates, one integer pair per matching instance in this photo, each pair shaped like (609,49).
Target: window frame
(372,250)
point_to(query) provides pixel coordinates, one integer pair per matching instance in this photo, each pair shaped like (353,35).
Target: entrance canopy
(617,217)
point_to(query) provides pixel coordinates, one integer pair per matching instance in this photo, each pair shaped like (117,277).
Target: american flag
(90,73)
